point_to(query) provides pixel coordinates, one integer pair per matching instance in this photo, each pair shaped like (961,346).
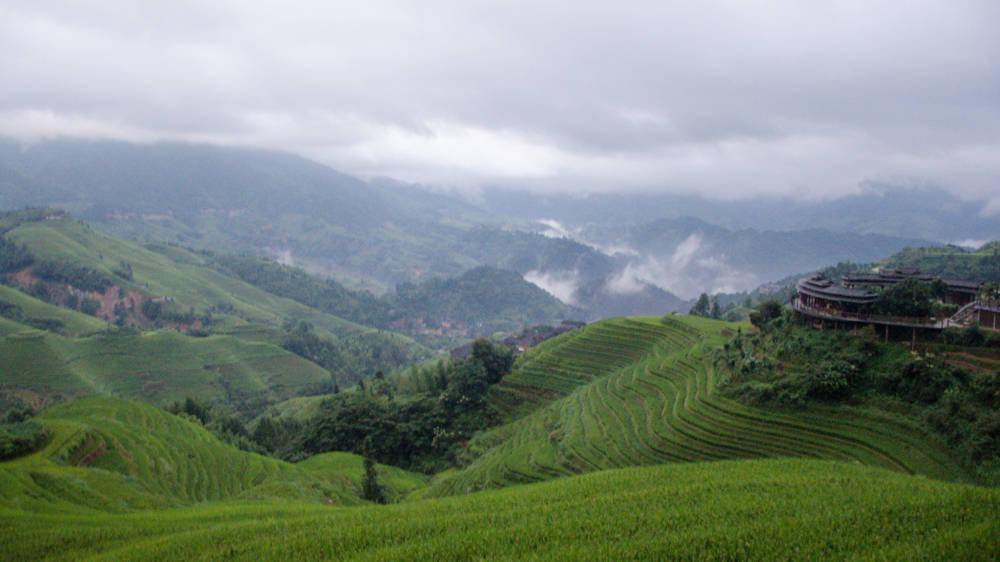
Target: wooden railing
(833,314)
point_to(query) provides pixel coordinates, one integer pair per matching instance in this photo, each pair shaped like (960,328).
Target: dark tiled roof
(957,284)
(821,287)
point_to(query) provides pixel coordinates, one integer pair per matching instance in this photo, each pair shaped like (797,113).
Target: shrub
(907,298)
(22,438)
(83,278)
(152,309)
(828,381)
(13,256)
(89,306)
(765,313)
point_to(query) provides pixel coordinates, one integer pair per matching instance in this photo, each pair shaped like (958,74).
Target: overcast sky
(728,99)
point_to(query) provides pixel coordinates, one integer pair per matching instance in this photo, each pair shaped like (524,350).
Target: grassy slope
(178,273)
(74,323)
(158,367)
(111,455)
(643,391)
(772,509)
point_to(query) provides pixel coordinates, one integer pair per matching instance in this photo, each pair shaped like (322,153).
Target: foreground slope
(112,455)
(630,391)
(736,510)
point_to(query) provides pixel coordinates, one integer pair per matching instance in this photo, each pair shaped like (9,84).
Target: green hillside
(749,510)
(194,294)
(117,456)
(25,309)
(953,262)
(158,367)
(627,392)
(479,302)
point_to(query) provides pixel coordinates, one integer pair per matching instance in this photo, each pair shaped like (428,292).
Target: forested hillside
(479,302)
(952,262)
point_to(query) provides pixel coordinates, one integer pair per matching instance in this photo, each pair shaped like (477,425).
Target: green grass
(299,408)
(158,367)
(118,456)
(122,480)
(74,323)
(627,392)
(242,358)
(746,510)
(184,275)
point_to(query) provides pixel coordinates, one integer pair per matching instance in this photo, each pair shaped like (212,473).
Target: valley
(414,377)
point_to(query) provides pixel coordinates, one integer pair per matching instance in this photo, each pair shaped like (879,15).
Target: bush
(22,438)
(48,324)
(89,306)
(83,278)
(13,256)
(765,313)
(152,309)
(828,381)
(907,298)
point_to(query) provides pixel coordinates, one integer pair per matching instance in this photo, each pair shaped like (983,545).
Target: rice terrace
(677,468)
(450,280)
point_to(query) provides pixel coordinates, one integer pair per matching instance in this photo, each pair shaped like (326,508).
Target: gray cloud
(728,99)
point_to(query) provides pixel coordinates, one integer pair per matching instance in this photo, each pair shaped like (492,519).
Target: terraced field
(734,510)
(31,309)
(188,278)
(630,392)
(159,367)
(118,456)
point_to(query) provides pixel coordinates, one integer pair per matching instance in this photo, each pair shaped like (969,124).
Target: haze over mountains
(608,254)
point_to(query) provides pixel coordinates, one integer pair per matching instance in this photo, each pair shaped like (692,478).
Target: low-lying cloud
(728,99)
(560,284)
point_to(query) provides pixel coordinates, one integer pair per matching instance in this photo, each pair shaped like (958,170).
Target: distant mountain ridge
(923,213)
(636,255)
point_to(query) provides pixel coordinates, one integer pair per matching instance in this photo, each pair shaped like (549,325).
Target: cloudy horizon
(728,100)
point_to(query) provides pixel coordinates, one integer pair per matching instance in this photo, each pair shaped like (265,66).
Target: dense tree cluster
(424,431)
(13,256)
(83,278)
(909,298)
(350,358)
(218,419)
(952,262)
(316,292)
(20,436)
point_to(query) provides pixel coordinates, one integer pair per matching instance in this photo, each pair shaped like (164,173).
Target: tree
(700,307)
(89,306)
(765,312)
(266,433)
(907,298)
(370,488)
(496,359)
(716,311)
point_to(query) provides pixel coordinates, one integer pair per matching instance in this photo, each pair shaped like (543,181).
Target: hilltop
(645,391)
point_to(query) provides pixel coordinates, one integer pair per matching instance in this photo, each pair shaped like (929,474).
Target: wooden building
(956,291)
